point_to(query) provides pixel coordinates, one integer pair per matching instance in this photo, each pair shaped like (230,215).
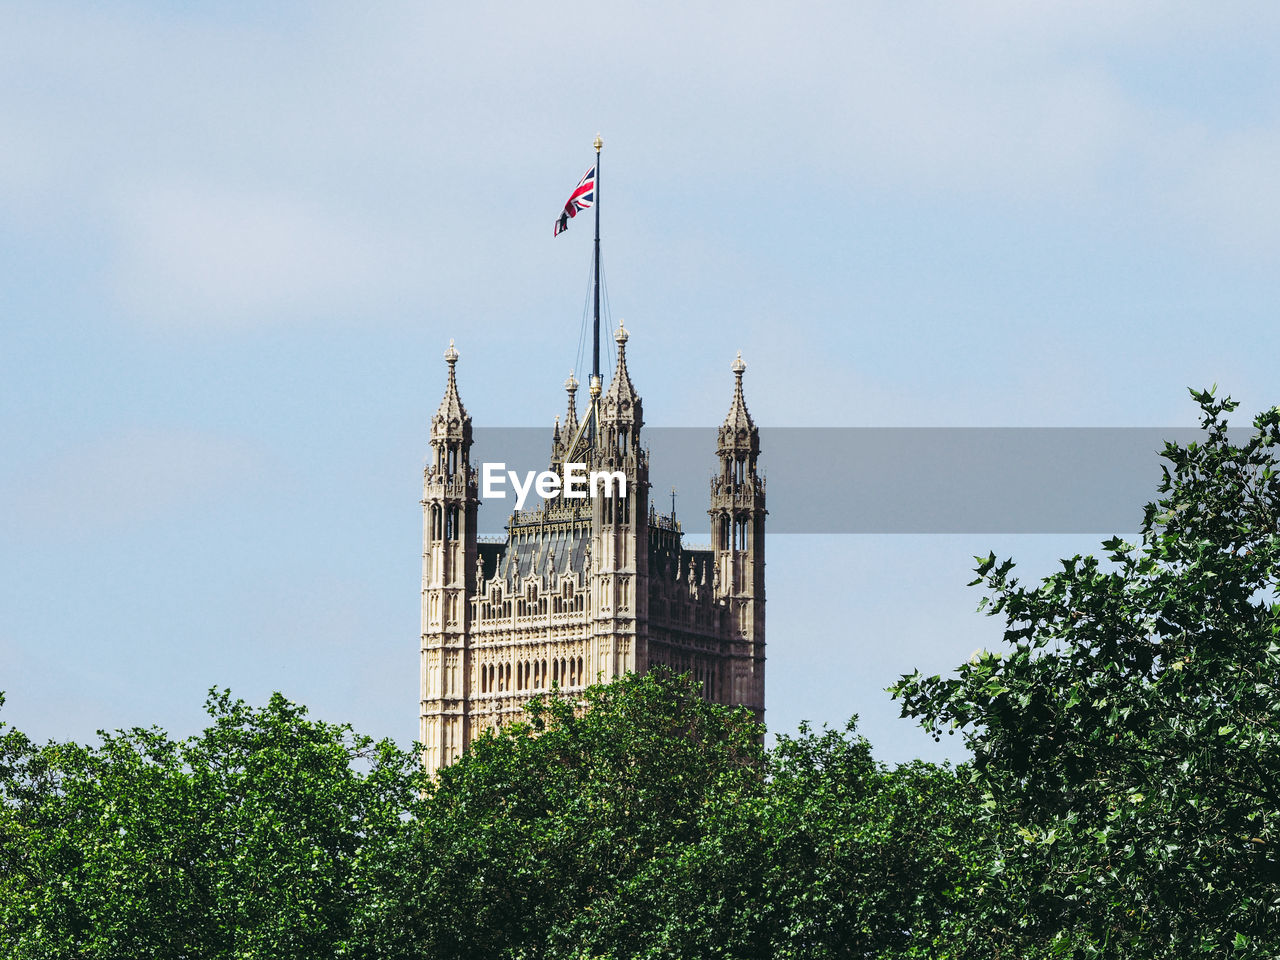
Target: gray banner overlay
(892,479)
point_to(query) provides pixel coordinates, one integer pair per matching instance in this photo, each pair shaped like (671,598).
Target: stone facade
(585,589)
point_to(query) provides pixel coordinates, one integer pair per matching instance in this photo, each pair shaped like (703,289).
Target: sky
(236,238)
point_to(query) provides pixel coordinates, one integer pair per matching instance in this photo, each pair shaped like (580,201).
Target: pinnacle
(451,417)
(571,416)
(621,388)
(738,429)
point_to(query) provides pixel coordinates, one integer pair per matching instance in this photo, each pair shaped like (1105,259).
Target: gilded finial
(572,383)
(451,355)
(738,366)
(599,143)
(621,336)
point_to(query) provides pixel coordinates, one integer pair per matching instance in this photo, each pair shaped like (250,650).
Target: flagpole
(595,330)
(595,364)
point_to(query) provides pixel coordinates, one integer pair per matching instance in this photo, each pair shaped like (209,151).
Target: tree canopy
(243,841)
(1123,798)
(641,821)
(1131,725)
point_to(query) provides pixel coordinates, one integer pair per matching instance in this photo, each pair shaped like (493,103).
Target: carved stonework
(585,590)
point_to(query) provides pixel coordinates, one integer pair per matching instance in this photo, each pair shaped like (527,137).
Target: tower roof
(738,430)
(621,399)
(451,420)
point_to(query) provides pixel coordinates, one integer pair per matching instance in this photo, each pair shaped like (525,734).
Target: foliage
(1131,730)
(1123,799)
(239,842)
(830,855)
(519,846)
(647,822)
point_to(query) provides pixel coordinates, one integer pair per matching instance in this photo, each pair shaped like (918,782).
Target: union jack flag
(584,194)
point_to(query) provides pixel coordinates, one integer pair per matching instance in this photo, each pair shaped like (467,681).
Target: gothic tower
(737,532)
(620,547)
(449,502)
(583,589)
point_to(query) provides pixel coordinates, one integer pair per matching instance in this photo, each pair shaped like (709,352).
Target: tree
(831,855)
(1131,729)
(643,821)
(244,841)
(520,844)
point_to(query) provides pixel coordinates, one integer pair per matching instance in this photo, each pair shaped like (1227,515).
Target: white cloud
(252,169)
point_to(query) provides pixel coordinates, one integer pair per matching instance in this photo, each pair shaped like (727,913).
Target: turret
(449,573)
(620,552)
(737,532)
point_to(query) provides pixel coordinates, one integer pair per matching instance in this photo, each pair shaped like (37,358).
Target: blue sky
(234,242)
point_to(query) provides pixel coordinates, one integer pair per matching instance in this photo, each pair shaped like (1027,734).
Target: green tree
(244,841)
(646,822)
(1130,731)
(831,855)
(517,847)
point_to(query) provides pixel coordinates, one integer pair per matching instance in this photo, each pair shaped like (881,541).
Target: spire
(738,432)
(571,417)
(621,396)
(451,421)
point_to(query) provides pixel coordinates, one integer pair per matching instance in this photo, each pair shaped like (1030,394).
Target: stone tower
(585,589)
(620,526)
(737,532)
(449,502)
